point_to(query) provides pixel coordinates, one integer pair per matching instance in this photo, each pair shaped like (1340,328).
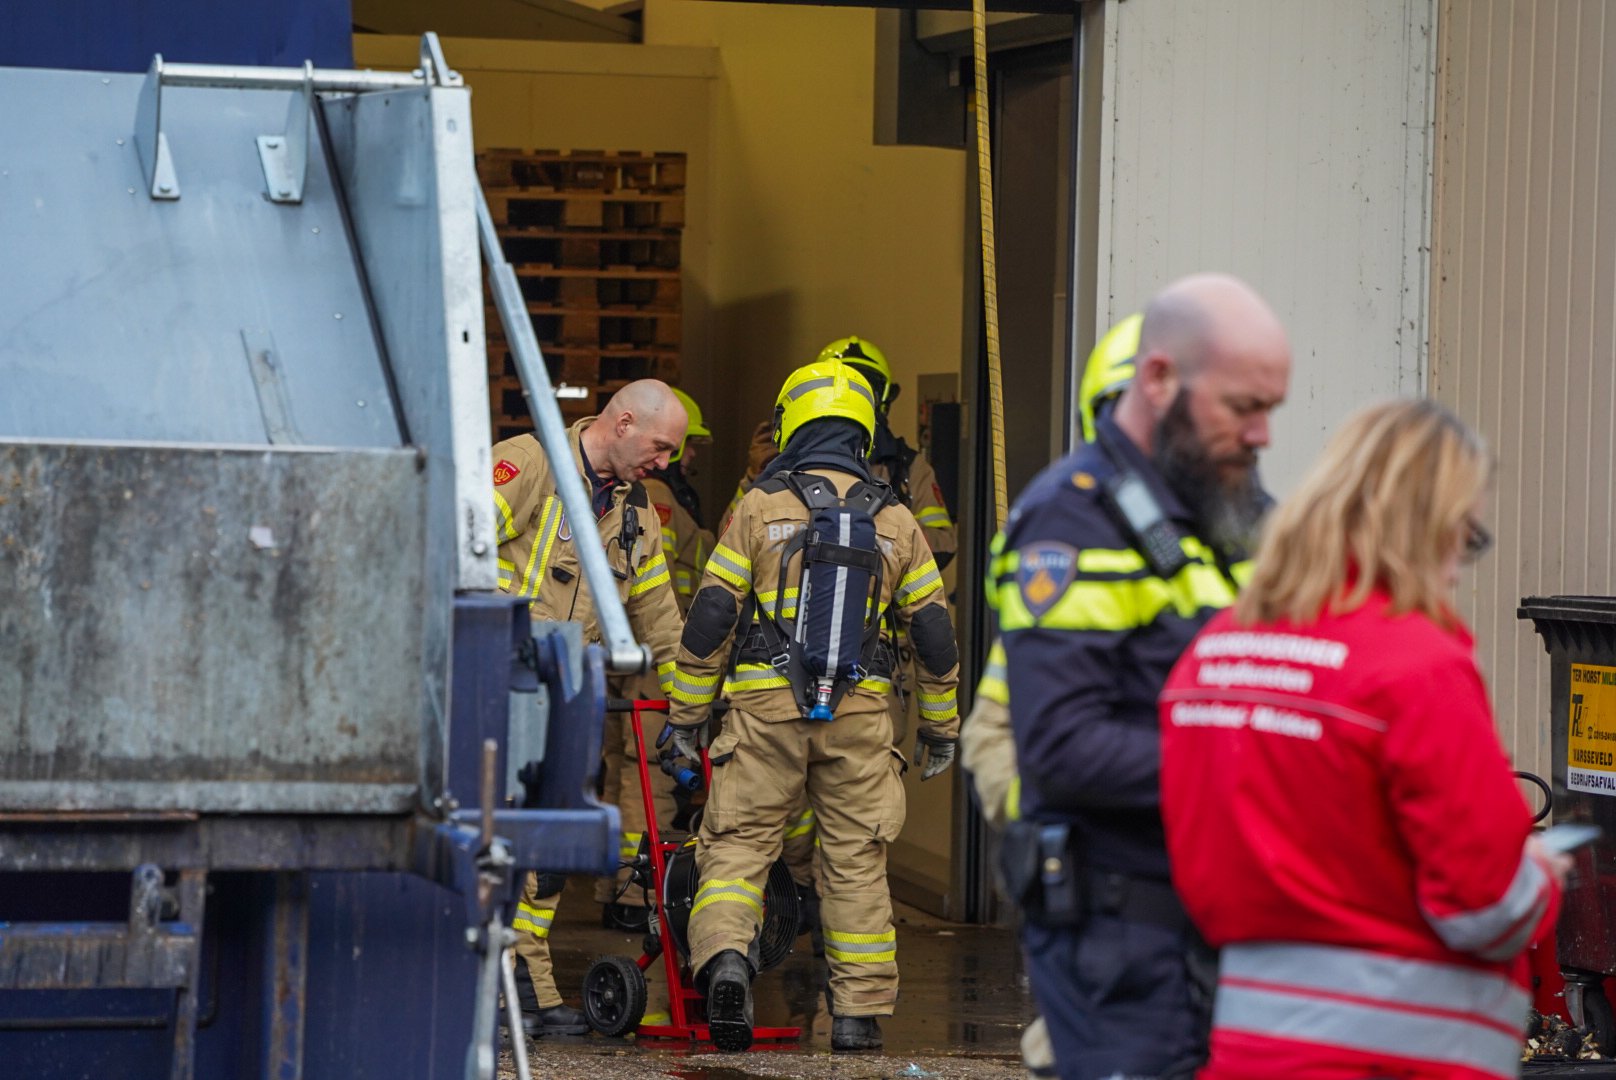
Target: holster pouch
(1041,873)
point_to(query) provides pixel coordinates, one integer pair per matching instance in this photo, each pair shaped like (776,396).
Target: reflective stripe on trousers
(1368,1002)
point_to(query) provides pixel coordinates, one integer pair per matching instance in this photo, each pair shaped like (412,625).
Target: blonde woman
(1341,818)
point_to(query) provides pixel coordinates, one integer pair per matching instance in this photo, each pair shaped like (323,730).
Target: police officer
(987,744)
(641,427)
(1112,559)
(775,747)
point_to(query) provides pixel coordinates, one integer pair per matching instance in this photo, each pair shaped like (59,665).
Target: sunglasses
(1478,541)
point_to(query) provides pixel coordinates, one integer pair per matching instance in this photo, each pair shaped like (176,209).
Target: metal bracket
(285,157)
(434,67)
(150,143)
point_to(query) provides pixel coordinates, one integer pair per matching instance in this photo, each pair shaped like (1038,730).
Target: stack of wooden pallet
(594,239)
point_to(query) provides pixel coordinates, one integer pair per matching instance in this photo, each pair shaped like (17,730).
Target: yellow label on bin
(1591,741)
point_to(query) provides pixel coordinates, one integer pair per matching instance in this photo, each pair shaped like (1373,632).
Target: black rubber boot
(556,1020)
(853,1033)
(729,1001)
(537,1022)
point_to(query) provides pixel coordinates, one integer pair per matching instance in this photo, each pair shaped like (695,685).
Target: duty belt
(1135,899)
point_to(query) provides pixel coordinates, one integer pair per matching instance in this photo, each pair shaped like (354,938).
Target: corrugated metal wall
(1523,311)
(1285,141)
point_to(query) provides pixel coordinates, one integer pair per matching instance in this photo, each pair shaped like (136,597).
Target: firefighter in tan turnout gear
(790,624)
(639,429)
(685,546)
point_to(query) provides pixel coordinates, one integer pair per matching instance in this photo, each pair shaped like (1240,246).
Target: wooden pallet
(583,365)
(594,238)
(592,248)
(581,170)
(529,207)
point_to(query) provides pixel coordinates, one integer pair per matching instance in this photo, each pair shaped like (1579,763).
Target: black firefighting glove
(937,753)
(682,742)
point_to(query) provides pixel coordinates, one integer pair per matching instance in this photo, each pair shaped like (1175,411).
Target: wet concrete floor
(963,1003)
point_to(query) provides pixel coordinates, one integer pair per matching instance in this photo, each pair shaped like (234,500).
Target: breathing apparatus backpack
(825,641)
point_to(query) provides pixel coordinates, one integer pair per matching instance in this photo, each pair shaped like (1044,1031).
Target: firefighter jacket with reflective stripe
(988,747)
(922,495)
(924,498)
(537,558)
(1090,633)
(1336,791)
(685,545)
(747,560)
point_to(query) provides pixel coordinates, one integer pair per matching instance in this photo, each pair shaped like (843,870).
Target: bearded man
(1111,561)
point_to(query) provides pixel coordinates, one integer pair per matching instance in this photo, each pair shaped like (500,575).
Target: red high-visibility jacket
(1343,823)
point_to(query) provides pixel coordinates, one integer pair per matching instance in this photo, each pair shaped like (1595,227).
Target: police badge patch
(1043,573)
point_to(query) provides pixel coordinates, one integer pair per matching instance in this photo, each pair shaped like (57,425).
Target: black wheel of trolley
(614,996)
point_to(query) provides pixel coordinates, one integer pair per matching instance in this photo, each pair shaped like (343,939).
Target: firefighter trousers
(534,914)
(853,780)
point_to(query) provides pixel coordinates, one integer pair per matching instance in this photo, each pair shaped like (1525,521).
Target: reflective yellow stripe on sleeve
(879,948)
(692,689)
(918,584)
(666,673)
(652,574)
(507,573)
(938,707)
(732,566)
(933,517)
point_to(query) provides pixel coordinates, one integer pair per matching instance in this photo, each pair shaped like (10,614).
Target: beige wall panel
(821,233)
(1284,141)
(1523,338)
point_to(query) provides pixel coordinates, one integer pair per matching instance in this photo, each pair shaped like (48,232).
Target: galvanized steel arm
(624,655)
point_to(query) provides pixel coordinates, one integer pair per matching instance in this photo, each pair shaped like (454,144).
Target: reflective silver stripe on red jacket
(1502,929)
(1371,1003)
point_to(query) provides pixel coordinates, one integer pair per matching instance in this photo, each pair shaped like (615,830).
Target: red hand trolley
(615,987)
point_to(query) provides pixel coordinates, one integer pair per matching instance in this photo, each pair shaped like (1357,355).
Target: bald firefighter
(790,624)
(640,428)
(685,546)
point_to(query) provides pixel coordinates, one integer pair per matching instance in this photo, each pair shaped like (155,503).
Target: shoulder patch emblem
(664,512)
(1043,573)
(505,472)
(1083,481)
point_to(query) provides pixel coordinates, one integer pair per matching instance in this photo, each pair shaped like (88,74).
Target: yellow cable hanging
(990,275)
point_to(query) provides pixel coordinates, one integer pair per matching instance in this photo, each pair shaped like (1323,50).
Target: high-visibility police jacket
(537,558)
(1344,823)
(1090,634)
(747,561)
(685,544)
